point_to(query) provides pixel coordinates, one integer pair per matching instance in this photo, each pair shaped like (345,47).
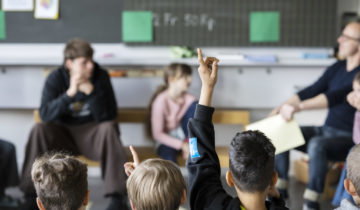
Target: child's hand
(208,78)
(185,150)
(130,166)
(207,70)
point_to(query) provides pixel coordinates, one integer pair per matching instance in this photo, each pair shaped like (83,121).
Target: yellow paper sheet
(284,135)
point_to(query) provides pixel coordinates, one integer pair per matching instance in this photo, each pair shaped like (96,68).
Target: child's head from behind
(156,184)
(251,156)
(352,183)
(177,77)
(60,181)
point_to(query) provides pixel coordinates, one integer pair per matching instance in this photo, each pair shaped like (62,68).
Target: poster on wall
(17,5)
(46,9)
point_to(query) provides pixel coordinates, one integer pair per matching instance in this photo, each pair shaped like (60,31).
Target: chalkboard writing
(227,22)
(167,19)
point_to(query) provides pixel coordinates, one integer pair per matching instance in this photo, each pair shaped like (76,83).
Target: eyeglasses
(349,37)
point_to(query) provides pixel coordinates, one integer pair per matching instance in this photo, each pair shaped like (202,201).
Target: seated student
(61,182)
(78,109)
(251,157)
(170,109)
(154,184)
(8,173)
(352,182)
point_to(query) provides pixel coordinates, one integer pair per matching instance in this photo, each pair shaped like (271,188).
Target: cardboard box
(301,168)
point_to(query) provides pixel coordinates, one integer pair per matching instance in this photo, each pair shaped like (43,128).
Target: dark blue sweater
(335,83)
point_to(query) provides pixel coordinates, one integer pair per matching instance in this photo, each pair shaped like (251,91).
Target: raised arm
(208,75)
(203,165)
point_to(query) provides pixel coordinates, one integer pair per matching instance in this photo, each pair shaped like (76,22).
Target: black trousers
(8,167)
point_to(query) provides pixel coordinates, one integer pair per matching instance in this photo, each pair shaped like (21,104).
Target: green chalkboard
(228,22)
(184,22)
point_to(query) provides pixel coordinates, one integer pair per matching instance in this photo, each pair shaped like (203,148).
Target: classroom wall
(20,90)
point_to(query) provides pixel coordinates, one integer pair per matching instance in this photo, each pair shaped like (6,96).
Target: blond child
(154,184)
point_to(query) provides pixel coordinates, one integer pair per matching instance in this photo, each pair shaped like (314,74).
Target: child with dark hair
(170,108)
(251,157)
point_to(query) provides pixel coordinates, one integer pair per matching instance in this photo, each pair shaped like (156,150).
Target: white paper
(47,9)
(17,5)
(284,135)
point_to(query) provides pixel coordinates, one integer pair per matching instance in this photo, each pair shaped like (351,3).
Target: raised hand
(208,75)
(130,166)
(207,69)
(86,87)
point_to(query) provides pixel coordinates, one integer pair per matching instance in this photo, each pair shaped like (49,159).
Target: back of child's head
(251,156)
(353,167)
(156,184)
(60,181)
(174,70)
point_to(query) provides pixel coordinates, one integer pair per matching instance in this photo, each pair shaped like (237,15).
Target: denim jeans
(168,153)
(322,144)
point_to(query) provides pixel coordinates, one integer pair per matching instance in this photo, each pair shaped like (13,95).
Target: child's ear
(349,187)
(229,180)
(39,204)
(183,197)
(274,179)
(86,199)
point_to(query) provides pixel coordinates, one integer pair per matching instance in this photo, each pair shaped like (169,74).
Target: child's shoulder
(161,97)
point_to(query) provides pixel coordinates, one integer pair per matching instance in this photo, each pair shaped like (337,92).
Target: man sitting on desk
(78,109)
